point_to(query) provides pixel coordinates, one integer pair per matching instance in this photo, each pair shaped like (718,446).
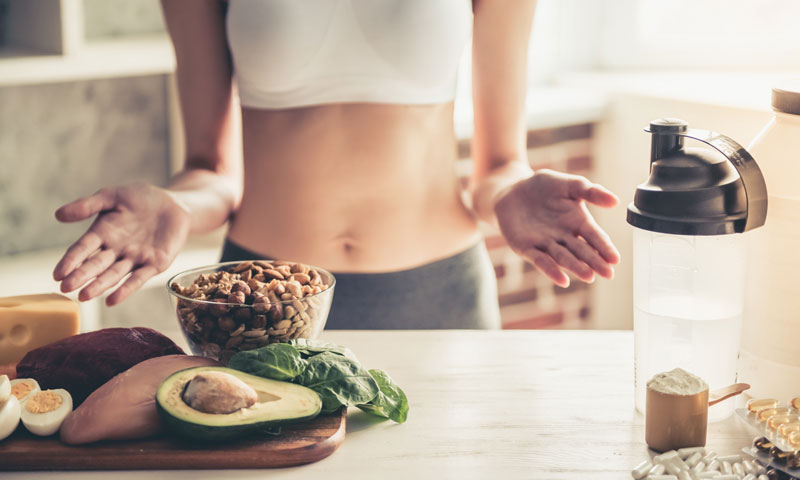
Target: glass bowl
(235,306)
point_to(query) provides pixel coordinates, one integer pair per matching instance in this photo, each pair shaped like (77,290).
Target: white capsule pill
(699,467)
(749,476)
(695,457)
(657,470)
(730,458)
(763,477)
(714,465)
(701,475)
(662,477)
(738,469)
(750,467)
(665,457)
(640,471)
(672,469)
(728,477)
(684,475)
(685,453)
(726,468)
(709,456)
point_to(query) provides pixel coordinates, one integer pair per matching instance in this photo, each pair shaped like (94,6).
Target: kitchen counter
(485,404)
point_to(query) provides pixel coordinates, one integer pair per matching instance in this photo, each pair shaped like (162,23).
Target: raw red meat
(81,363)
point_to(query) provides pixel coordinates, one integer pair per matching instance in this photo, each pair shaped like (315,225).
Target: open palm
(139,230)
(545,220)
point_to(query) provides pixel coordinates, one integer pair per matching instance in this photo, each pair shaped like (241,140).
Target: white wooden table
(485,405)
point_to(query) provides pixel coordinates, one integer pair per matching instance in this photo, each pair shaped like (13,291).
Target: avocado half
(278,403)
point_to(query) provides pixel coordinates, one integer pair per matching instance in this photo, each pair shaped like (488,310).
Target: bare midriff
(352,187)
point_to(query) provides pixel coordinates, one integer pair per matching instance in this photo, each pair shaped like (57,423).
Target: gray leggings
(455,292)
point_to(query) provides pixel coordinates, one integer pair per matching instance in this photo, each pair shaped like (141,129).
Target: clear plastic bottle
(769,359)
(689,255)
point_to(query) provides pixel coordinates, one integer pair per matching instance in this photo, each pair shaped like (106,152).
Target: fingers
(76,254)
(94,266)
(590,256)
(545,263)
(599,240)
(568,260)
(85,207)
(107,279)
(583,189)
(133,283)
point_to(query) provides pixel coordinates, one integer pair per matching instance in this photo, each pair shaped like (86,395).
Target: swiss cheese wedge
(30,321)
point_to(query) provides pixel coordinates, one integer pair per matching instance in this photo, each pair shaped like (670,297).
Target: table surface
(485,404)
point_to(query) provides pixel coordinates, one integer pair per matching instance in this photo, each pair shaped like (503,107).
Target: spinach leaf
(338,380)
(309,348)
(391,401)
(277,361)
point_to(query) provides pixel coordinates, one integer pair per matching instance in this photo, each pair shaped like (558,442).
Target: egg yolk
(43,402)
(21,389)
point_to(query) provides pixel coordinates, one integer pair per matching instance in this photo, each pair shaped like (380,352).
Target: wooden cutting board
(296,445)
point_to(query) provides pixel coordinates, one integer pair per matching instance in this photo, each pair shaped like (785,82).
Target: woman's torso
(366,183)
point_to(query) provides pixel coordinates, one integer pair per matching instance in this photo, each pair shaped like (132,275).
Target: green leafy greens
(391,401)
(278,361)
(333,371)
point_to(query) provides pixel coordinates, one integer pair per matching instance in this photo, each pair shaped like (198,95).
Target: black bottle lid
(698,191)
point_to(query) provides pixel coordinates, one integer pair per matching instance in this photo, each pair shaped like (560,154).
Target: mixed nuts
(252,304)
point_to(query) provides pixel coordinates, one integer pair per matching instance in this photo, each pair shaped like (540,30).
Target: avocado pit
(218,393)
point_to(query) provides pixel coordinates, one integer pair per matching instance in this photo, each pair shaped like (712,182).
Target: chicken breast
(124,408)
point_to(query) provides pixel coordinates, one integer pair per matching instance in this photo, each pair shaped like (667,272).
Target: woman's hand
(545,220)
(139,230)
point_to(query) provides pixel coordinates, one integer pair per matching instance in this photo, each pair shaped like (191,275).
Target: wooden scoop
(726,392)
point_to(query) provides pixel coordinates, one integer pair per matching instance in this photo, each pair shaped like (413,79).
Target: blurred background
(87,99)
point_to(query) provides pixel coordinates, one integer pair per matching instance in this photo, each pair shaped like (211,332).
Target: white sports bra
(292,53)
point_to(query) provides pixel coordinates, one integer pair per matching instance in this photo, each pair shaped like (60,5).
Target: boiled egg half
(9,416)
(5,388)
(43,412)
(22,388)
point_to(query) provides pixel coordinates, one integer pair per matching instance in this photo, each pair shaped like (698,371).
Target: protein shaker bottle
(689,259)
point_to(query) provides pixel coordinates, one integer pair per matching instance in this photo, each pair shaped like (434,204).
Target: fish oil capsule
(773,474)
(795,403)
(738,469)
(780,456)
(776,421)
(787,428)
(640,471)
(756,404)
(763,415)
(763,444)
(794,440)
